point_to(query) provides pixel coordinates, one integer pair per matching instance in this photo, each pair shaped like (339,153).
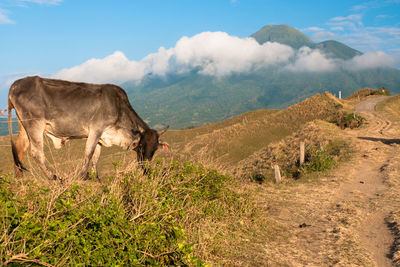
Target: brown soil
(339,219)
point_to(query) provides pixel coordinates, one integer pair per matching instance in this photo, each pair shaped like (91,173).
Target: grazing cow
(68,110)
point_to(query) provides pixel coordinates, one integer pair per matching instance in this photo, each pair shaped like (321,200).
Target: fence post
(277,174)
(302,152)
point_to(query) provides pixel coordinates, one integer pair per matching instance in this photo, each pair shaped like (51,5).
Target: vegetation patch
(128,220)
(393,220)
(352,120)
(391,107)
(324,148)
(365,92)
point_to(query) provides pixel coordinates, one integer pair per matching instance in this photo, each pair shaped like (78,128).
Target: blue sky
(46,36)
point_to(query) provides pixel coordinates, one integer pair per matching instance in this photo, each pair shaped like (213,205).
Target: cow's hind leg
(36,140)
(21,145)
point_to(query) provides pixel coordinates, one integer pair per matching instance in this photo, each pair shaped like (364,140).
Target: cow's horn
(160,132)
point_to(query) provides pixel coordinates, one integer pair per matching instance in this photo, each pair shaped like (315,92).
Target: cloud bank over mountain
(217,54)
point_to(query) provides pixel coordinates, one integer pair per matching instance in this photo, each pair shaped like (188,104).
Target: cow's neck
(136,122)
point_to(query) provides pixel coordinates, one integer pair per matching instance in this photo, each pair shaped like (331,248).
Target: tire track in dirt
(367,184)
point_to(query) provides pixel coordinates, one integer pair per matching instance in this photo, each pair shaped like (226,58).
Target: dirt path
(369,181)
(340,220)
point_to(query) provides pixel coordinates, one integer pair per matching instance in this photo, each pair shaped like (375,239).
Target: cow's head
(149,143)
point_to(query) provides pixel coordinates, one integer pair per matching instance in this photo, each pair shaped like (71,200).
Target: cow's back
(70,108)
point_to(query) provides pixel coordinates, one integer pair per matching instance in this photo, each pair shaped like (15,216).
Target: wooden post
(302,152)
(340,94)
(277,174)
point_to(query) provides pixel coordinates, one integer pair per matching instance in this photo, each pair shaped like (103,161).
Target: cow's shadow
(383,140)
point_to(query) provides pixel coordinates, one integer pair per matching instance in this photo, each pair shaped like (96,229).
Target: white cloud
(312,29)
(215,53)
(220,54)
(4,19)
(351,22)
(351,31)
(337,28)
(311,60)
(113,68)
(370,60)
(322,36)
(384,16)
(353,17)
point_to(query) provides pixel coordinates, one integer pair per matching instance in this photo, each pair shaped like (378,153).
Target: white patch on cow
(117,136)
(58,142)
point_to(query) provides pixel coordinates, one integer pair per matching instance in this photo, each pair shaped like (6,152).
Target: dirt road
(341,219)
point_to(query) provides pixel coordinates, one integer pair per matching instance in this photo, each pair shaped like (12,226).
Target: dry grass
(285,153)
(390,107)
(364,93)
(227,143)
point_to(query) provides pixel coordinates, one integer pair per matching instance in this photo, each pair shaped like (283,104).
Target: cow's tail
(17,162)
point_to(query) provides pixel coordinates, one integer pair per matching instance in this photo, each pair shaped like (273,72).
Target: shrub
(259,178)
(351,120)
(130,219)
(319,160)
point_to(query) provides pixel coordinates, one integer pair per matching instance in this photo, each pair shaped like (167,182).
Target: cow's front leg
(95,159)
(90,147)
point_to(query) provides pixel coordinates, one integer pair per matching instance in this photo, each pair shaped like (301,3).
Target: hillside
(226,143)
(192,99)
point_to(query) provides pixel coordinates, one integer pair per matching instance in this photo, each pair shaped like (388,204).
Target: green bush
(351,120)
(129,220)
(320,160)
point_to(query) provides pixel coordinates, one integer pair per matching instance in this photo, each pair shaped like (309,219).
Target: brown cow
(66,110)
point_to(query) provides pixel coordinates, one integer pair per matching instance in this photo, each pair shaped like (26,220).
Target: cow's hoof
(86,177)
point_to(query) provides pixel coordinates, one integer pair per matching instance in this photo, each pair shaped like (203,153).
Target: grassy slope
(390,107)
(228,142)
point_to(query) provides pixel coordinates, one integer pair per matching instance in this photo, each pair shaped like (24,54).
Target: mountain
(288,35)
(336,49)
(191,99)
(283,34)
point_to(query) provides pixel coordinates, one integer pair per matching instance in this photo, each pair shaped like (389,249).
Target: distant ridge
(337,49)
(288,35)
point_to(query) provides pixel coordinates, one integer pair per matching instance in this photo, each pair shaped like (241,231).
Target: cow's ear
(164,145)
